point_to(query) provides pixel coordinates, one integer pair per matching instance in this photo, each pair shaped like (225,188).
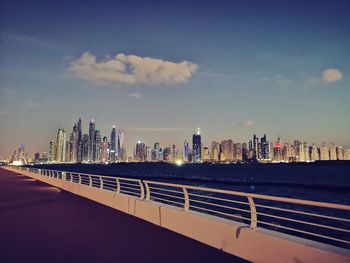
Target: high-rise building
(186,151)
(156,148)
(340,155)
(332,152)
(121,146)
(346,154)
(226,151)
(324,152)
(215,151)
(206,154)
(60,146)
(113,150)
(140,152)
(256,154)
(85,148)
(244,152)
(91,140)
(314,153)
(104,150)
(97,147)
(197,146)
(238,156)
(52,151)
(79,142)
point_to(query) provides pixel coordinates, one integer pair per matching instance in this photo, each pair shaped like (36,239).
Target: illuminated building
(244,152)
(79,142)
(206,154)
(314,153)
(85,148)
(156,151)
(215,151)
(104,150)
(97,147)
(340,155)
(238,152)
(91,140)
(256,150)
(121,146)
(186,151)
(278,151)
(140,152)
(60,147)
(306,152)
(324,152)
(52,151)
(332,152)
(346,154)
(113,150)
(197,146)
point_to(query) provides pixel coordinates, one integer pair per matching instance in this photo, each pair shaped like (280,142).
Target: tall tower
(113,151)
(121,146)
(186,151)
(80,142)
(60,149)
(197,146)
(97,146)
(104,148)
(91,140)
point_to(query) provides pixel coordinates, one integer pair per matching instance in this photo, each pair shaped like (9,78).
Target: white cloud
(136,95)
(331,75)
(247,123)
(131,70)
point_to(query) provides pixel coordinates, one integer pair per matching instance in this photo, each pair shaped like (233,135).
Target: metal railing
(321,221)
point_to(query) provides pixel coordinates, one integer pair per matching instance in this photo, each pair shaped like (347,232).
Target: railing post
(187,199)
(101,182)
(90,181)
(118,185)
(148,192)
(71,177)
(253,215)
(64,178)
(79,180)
(142,190)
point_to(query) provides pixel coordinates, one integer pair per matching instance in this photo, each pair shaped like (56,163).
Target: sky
(160,69)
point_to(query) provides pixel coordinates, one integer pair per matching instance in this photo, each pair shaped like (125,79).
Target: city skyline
(160,69)
(95,147)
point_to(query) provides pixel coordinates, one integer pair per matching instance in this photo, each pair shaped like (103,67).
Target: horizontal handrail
(222,203)
(259,196)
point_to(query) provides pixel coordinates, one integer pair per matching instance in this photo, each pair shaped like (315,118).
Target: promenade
(40,223)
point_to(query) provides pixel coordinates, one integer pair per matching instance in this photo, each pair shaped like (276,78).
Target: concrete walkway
(40,223)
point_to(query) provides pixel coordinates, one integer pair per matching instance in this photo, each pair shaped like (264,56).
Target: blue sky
(233,68)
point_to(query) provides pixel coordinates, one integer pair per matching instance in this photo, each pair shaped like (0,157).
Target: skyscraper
(91,140)
(113,150)
(104,150)
(186,151)
(121,146)
(197,146)
(60,147)
(85,148)
(52,151)
(324,152)
(79,142)
(140,152)
(97,146)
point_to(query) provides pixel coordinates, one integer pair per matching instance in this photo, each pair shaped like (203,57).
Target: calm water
(329,181)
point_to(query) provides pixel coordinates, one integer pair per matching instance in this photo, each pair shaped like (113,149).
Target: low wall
(258,245)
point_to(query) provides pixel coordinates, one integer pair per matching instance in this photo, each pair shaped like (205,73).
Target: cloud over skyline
(132,70)
(332,75)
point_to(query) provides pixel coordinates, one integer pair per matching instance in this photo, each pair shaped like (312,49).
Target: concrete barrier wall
(258,245)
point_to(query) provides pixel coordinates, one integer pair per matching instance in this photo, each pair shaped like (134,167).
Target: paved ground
(40,223)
